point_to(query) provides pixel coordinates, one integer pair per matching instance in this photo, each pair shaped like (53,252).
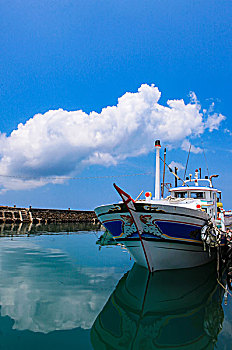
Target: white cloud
(227,131)
(214,121)
(193,97)
(175,164)
(61,143)
(186,145)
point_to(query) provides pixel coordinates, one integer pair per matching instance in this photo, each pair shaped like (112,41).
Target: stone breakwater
(37,215)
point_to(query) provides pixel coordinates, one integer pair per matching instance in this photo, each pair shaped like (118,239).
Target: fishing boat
(168,233)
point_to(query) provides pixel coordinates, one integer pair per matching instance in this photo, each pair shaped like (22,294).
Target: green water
(59,290)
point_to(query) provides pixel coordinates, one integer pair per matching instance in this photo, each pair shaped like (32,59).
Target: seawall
(38,215)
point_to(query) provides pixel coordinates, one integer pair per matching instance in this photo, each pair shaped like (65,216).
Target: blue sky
(84,55)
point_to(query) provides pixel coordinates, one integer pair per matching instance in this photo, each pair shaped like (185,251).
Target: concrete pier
(38,215)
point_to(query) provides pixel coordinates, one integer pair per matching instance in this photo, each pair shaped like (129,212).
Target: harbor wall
(38,215)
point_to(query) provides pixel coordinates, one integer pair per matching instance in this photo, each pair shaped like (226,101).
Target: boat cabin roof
(193,189)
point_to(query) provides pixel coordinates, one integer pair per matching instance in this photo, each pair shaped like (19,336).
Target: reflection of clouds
(42,291)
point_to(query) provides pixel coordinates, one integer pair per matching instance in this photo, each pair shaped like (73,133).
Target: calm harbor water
(59,289)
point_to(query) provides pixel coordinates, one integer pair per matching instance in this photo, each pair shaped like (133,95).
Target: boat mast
(157,169)
(162,193)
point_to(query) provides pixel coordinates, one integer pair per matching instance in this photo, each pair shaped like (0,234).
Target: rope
(218,261)
(214,241)
(170,169)
(224,287)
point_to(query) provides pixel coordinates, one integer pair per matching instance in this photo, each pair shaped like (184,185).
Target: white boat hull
(167,256)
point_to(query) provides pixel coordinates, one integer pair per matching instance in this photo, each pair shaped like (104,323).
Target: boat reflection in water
(178,309)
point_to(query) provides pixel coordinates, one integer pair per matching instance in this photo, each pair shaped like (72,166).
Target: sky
(87,86)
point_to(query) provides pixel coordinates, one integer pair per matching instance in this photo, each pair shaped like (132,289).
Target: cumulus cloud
(61,143)
(193,97)
(176,164)
(186,146)
(214,121)
(227,131)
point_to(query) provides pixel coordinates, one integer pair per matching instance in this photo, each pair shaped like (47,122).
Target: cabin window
(181,194)
(197,195)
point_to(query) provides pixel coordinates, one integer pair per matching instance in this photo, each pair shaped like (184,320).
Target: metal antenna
(205,158)
(186,166)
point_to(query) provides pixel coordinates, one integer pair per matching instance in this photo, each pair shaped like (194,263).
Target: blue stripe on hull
(179,230)
(173,230)
(114,227)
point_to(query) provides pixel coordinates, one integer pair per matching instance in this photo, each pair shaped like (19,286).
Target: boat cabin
(198,195)
(207,194)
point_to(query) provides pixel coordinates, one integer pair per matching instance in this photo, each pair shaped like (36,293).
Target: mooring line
(224,287)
